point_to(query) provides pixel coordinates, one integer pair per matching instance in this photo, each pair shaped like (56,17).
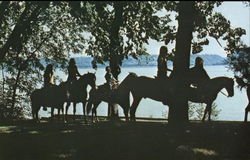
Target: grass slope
(125,141)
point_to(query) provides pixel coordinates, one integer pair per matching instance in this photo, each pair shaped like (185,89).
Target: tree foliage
(106,30)
(137,24)
(239,64)
(239,60)
(196,111)
(33,33)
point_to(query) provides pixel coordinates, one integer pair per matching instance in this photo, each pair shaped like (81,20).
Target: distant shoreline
(138,66)
(150,61)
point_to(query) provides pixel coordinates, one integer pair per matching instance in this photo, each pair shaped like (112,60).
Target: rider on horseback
(48,78)
(198,76)
(72,71)
(162,62)
(198,72)
(110,80)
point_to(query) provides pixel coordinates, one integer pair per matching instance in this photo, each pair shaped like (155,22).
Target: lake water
(231,108)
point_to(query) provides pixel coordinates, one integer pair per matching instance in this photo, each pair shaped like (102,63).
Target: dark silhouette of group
(197,71)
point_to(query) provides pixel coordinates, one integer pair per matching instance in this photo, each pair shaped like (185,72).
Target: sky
(239,16)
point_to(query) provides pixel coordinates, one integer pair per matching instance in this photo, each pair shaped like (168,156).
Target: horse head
(89,78)
(230,87)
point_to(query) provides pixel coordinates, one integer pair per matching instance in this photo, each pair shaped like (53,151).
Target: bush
(9,114)
(196,111)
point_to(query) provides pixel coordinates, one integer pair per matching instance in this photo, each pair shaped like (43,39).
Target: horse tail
(89,101)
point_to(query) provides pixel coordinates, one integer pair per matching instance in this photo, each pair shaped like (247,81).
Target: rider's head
(198,62)
(49,68)
(108,69)
(72,61)
(163,51)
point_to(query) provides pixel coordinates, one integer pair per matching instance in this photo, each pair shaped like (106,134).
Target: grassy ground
(125,141)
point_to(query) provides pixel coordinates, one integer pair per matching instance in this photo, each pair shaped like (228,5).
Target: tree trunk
(3,85)
(15,35)
(22,29)
(115,69)
(115,59)
(178,109)
(13,99)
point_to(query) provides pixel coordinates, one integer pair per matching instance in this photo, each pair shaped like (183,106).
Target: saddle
(114,84)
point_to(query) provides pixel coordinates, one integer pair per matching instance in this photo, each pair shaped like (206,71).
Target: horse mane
(87,74)
(123,84)
(222,78)
(221,82)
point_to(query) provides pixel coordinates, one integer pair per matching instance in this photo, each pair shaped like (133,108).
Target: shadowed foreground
(120,140)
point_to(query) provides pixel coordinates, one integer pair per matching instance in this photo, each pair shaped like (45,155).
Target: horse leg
(67,107)
(246,112)
(33,112)
(63,116)
(94,112)
(248,106)
(109,110)
(134,107)
(125,107)
(205,112)
(209,111)
(125,110)
(58,113)
(52,112)
(84,109)
(36,114)
(74,110)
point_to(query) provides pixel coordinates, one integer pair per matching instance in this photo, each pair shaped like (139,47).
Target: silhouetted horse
(146,87)
(55,96)
(208,92)
(77,91)
(162,90)
(120,96)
